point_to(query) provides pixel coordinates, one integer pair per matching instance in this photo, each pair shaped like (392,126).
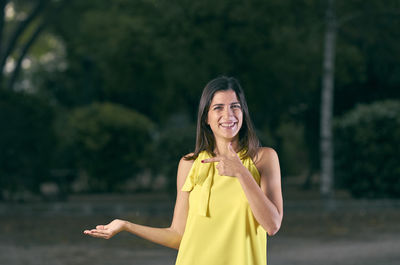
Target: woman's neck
(221,146)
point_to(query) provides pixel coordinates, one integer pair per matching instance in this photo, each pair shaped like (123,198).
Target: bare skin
(225,119)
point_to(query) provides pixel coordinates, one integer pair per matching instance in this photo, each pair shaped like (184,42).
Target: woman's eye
(217,108)
(236,106)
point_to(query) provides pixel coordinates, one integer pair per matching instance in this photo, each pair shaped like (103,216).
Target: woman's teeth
(228,125)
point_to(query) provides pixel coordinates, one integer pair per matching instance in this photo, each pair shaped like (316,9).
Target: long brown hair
(205,140)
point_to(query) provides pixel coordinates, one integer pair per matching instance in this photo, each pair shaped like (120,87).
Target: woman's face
(225,115)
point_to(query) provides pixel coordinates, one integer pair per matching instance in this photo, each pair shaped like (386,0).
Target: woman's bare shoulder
(183,169)
(185,161)
(265,153)
(266,156)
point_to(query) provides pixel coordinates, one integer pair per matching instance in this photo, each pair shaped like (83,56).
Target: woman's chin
(228,135)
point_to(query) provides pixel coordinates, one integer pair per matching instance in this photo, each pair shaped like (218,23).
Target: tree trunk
(326,134)
(3,4)
(2,18)
(7,48)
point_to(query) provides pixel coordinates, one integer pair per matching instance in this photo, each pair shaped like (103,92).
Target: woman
(228,191)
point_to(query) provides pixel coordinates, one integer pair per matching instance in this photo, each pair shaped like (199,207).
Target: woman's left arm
(265,200)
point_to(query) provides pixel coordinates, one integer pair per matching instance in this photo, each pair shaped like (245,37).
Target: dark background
(98,102)
(94,93)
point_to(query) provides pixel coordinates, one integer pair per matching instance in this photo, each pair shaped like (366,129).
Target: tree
(332,25)
(17,36)
(326,135)
(156,56)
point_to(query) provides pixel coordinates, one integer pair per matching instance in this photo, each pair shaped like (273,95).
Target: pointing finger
(230,148)
(210,160)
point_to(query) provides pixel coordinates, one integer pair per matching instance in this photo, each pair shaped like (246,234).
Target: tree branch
(3,4)
(23,53)
(31,41)
(18,32)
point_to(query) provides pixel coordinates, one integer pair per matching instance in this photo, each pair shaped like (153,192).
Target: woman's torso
(220,227)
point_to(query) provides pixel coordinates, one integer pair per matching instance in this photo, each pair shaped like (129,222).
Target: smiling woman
(224,94)
(225,116)
(228,190)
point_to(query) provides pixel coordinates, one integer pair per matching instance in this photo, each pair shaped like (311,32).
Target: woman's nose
(228,112)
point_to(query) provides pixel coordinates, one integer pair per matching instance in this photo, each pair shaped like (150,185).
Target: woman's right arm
(170,236)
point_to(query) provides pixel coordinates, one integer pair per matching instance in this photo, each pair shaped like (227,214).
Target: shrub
(367,150)
(174,140)
(111,142)
(26,143)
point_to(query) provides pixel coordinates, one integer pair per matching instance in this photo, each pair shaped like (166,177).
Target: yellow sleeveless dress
(220,228)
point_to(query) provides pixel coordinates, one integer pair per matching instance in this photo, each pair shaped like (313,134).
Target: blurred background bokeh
(98,102)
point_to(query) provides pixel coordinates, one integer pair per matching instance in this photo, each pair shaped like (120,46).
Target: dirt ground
(353,233)
(281,251)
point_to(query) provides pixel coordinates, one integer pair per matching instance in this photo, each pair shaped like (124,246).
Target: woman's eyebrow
(221,104)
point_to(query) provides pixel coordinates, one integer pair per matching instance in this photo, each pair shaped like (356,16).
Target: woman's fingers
(98,233)
(106,231)
(210,160)
(231,150)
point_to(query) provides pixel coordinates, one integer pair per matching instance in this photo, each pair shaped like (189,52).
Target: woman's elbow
(175,240)
(273,228)
(174,244)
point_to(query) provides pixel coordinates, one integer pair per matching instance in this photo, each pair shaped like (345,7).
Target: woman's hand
(107,231)
(228,165)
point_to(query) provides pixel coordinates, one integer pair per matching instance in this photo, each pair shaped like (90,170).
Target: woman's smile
(225,116)
(228,125)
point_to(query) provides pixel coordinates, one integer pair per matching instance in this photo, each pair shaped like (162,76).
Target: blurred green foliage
(174,140)
(156,56)
(367,150)
(27,142)
(100,63)
(111,143)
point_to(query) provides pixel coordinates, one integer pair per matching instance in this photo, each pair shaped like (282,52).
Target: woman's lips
(228,125)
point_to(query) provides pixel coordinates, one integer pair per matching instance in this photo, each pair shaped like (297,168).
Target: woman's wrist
(242,173)
(123,225)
